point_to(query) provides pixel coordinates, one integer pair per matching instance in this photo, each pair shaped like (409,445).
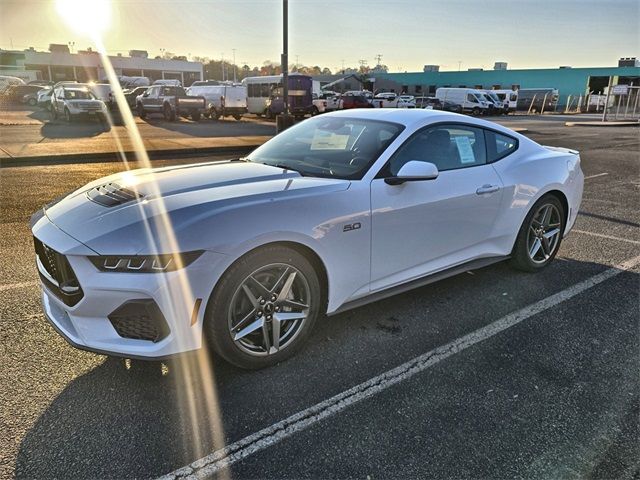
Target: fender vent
(112,194)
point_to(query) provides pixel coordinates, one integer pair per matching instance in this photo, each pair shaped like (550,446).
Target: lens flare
(87,17)
(195,374)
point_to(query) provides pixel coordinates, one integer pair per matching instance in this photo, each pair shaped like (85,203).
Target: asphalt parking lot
(489,374)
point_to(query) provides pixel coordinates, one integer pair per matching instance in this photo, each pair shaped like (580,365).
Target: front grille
(58,274)
(112,194)
(139,320)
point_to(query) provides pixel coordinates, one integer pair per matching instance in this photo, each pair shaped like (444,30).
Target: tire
(238,117)
(32,102)
(268,114)
(315,111)
(54,113)
(214,114)
(141,113)
(232,311)
(195,116)
(535,235)
(475,112)
(67,115)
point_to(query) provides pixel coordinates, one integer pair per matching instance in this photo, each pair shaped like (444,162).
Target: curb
(101,157)
(601,124)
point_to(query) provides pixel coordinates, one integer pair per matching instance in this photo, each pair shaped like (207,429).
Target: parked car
(385,100)
(333,99)
(44,98)
(428,102)
(132,94)
(222,100)
(16,93)
(337,211)
(406,101)
(201,83)
(354,100)
(470,100)
(170,101)
(72,102)
(319,105)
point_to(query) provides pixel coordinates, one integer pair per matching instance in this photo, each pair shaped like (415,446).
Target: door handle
(487,189)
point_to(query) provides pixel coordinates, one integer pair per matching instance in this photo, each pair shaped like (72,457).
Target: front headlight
(144,263)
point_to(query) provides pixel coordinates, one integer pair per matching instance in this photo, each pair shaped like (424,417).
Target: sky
(455,34)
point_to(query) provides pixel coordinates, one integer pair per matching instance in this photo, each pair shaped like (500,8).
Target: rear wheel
(195,116)
(67,115)
(32,102)
(540,236)
(214,114)
(238,117)
(264,308)
(314,111)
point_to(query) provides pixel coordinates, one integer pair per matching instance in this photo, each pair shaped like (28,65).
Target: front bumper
(179,298)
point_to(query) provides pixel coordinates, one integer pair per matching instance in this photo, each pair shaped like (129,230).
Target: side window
(471,98)
(499,145)
(449,147)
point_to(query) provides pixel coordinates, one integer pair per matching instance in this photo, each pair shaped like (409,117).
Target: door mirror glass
(414,170)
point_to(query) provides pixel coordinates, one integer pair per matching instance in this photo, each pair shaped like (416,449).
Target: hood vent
(112,194)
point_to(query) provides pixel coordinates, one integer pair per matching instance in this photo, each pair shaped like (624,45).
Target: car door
(420,227)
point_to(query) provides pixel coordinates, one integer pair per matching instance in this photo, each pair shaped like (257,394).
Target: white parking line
(596,175)
(304,419)
(610,237)
(9,286)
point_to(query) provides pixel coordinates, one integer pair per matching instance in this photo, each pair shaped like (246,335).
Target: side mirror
(412,171)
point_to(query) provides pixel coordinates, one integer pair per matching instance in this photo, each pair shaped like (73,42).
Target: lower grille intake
(139,320)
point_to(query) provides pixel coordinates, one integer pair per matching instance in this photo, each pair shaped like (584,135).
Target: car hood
(178,197)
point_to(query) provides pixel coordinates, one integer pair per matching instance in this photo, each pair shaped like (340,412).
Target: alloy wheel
(268,309)
(544,233)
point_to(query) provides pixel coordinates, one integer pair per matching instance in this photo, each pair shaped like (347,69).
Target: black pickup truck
(170,101)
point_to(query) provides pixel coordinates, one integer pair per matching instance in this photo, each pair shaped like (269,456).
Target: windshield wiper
(286,167)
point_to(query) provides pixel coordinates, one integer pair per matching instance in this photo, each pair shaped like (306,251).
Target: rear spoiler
(562,150)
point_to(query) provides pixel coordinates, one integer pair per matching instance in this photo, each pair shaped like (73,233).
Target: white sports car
(337,211)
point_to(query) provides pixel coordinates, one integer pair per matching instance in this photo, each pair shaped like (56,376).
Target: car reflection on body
(337,211)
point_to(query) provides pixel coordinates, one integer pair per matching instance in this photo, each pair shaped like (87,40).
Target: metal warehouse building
(60,64)
(568,81)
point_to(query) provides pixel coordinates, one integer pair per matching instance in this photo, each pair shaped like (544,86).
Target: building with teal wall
(568,81)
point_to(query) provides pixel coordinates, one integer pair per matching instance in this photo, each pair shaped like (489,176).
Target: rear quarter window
(499,145)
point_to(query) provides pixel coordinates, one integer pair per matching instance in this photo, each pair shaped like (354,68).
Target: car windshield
(333,147)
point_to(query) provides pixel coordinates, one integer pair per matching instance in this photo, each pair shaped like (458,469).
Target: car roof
(411,116)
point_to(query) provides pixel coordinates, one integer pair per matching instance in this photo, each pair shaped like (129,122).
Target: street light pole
(285,55)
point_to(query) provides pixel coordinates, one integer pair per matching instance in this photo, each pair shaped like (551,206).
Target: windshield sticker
(464,150)
(329,141)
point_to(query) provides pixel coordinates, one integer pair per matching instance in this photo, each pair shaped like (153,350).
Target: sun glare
(87,17)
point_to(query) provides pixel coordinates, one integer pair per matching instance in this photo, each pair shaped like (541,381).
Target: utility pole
(459,64)
(379,59)
(284,121)
(222,66)
(234,66)
(343,66)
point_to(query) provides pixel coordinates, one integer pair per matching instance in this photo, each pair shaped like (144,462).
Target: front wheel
(475,112)
(238,117)
(540,236)
(169,114)
(67,115)
(141,113)
(32,102)
(264,307)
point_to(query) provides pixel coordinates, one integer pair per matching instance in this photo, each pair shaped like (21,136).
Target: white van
(508,97)
(222,100)
(471,100)
(6,80)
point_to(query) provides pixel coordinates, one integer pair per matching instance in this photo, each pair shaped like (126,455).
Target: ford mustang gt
(342,209)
